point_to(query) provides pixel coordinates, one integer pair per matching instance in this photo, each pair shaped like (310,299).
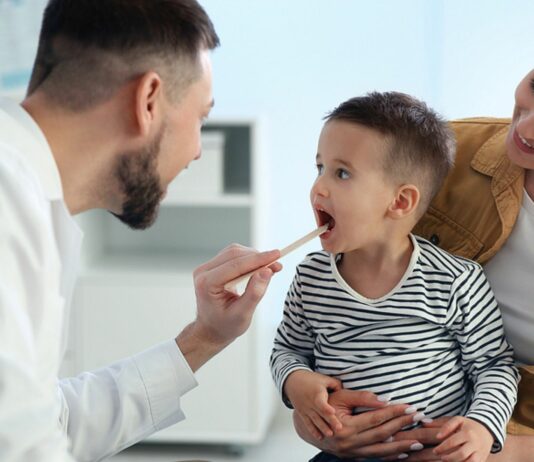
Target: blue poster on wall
(20,22)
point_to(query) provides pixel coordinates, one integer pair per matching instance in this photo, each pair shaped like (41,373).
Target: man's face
(144,176)
(520,139)
(351,191)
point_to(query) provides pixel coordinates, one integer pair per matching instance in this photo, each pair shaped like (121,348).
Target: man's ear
(405,202)
(148,102)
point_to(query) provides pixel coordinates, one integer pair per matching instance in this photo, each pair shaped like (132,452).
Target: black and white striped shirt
(436,341)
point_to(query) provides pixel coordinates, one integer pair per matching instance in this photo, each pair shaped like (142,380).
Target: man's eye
(320,169)
(342,174)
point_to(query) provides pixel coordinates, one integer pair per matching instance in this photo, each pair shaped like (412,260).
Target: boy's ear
(405,202)
(148,100)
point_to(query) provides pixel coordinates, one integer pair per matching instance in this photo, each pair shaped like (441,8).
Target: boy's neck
(374,272)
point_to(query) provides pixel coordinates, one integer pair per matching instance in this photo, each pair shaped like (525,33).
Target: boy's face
(520,140)
(351,191)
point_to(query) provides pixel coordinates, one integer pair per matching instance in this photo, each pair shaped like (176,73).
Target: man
(485,211)
(113,113)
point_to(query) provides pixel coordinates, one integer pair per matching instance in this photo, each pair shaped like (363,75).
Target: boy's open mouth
(326,219)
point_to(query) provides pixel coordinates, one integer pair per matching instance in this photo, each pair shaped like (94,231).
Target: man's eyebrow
(532,85)
(212,103)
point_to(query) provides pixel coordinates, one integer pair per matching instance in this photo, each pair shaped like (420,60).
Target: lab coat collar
(25,135)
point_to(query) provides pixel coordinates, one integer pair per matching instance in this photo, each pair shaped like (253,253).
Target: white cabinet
(136,288)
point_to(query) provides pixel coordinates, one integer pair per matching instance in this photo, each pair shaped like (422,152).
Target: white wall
(487,47)
(288,62)
(292,61)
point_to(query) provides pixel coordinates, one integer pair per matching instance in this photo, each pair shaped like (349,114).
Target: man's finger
(231,269)
(255,290)
(228,253)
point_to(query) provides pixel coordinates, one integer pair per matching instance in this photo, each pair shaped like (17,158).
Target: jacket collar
(22,132)
(492,160)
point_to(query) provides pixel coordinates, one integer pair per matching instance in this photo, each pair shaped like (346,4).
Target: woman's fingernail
(384,398)
(416,447)
(427,420)
(410,410)
(389,440)
(402,456)
(419,416)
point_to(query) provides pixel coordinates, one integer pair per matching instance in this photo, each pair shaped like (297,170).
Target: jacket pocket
(448,235)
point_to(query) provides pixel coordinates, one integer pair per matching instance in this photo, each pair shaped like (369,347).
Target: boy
(382,310)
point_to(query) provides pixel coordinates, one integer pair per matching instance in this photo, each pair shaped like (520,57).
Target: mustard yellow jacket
(474,213)
(478,205)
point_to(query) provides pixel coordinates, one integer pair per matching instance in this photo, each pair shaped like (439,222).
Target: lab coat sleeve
(29,408)
(109,409)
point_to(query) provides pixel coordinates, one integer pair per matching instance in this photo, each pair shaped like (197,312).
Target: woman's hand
(365,435)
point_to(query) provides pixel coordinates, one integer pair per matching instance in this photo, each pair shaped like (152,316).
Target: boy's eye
(320,169)
(342,174)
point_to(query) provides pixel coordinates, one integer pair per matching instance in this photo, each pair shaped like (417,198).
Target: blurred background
(281,67)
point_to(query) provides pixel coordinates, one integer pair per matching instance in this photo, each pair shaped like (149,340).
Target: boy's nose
(319,188)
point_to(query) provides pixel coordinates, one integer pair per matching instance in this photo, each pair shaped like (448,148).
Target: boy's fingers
(333,422)
(321,425)
(450,444)
(450,427)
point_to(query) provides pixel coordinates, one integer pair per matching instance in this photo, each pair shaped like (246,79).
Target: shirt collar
(27,137)
(491,160)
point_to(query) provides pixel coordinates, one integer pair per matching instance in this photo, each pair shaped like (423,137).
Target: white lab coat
(96,414)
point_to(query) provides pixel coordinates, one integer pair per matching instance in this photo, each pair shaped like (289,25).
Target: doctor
(113,113)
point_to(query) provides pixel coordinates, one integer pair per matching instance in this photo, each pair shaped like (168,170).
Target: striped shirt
(435,341)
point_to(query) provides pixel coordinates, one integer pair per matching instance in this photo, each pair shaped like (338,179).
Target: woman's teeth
(525,142)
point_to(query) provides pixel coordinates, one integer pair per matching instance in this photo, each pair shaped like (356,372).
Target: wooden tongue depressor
(230,286)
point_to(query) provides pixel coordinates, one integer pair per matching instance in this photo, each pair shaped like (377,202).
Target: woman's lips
(521,144)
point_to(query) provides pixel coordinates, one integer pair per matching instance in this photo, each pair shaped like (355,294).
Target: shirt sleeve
(487,358)
(107,410)
(30,311)
(294,341)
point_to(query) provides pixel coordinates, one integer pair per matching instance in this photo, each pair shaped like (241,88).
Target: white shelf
(146,263)
(144,280)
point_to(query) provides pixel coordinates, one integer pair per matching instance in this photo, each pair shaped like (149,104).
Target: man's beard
(139,181)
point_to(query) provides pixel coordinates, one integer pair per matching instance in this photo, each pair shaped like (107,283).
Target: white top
(97,414)
(435,341)
(511,275)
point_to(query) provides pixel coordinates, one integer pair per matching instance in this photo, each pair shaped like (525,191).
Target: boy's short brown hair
(421,144)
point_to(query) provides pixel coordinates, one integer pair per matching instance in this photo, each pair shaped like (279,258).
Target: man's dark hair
(421,146)
(89,48)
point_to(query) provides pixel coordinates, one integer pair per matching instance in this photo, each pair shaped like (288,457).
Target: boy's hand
(465,440)
(308,393)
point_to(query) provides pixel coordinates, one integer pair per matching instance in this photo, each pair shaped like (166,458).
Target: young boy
(380,309)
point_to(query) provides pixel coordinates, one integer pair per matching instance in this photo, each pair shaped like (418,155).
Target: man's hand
(308,393)
(465,440)
(366,435)
(223,316)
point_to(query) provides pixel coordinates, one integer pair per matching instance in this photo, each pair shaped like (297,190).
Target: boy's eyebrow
(346,163)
